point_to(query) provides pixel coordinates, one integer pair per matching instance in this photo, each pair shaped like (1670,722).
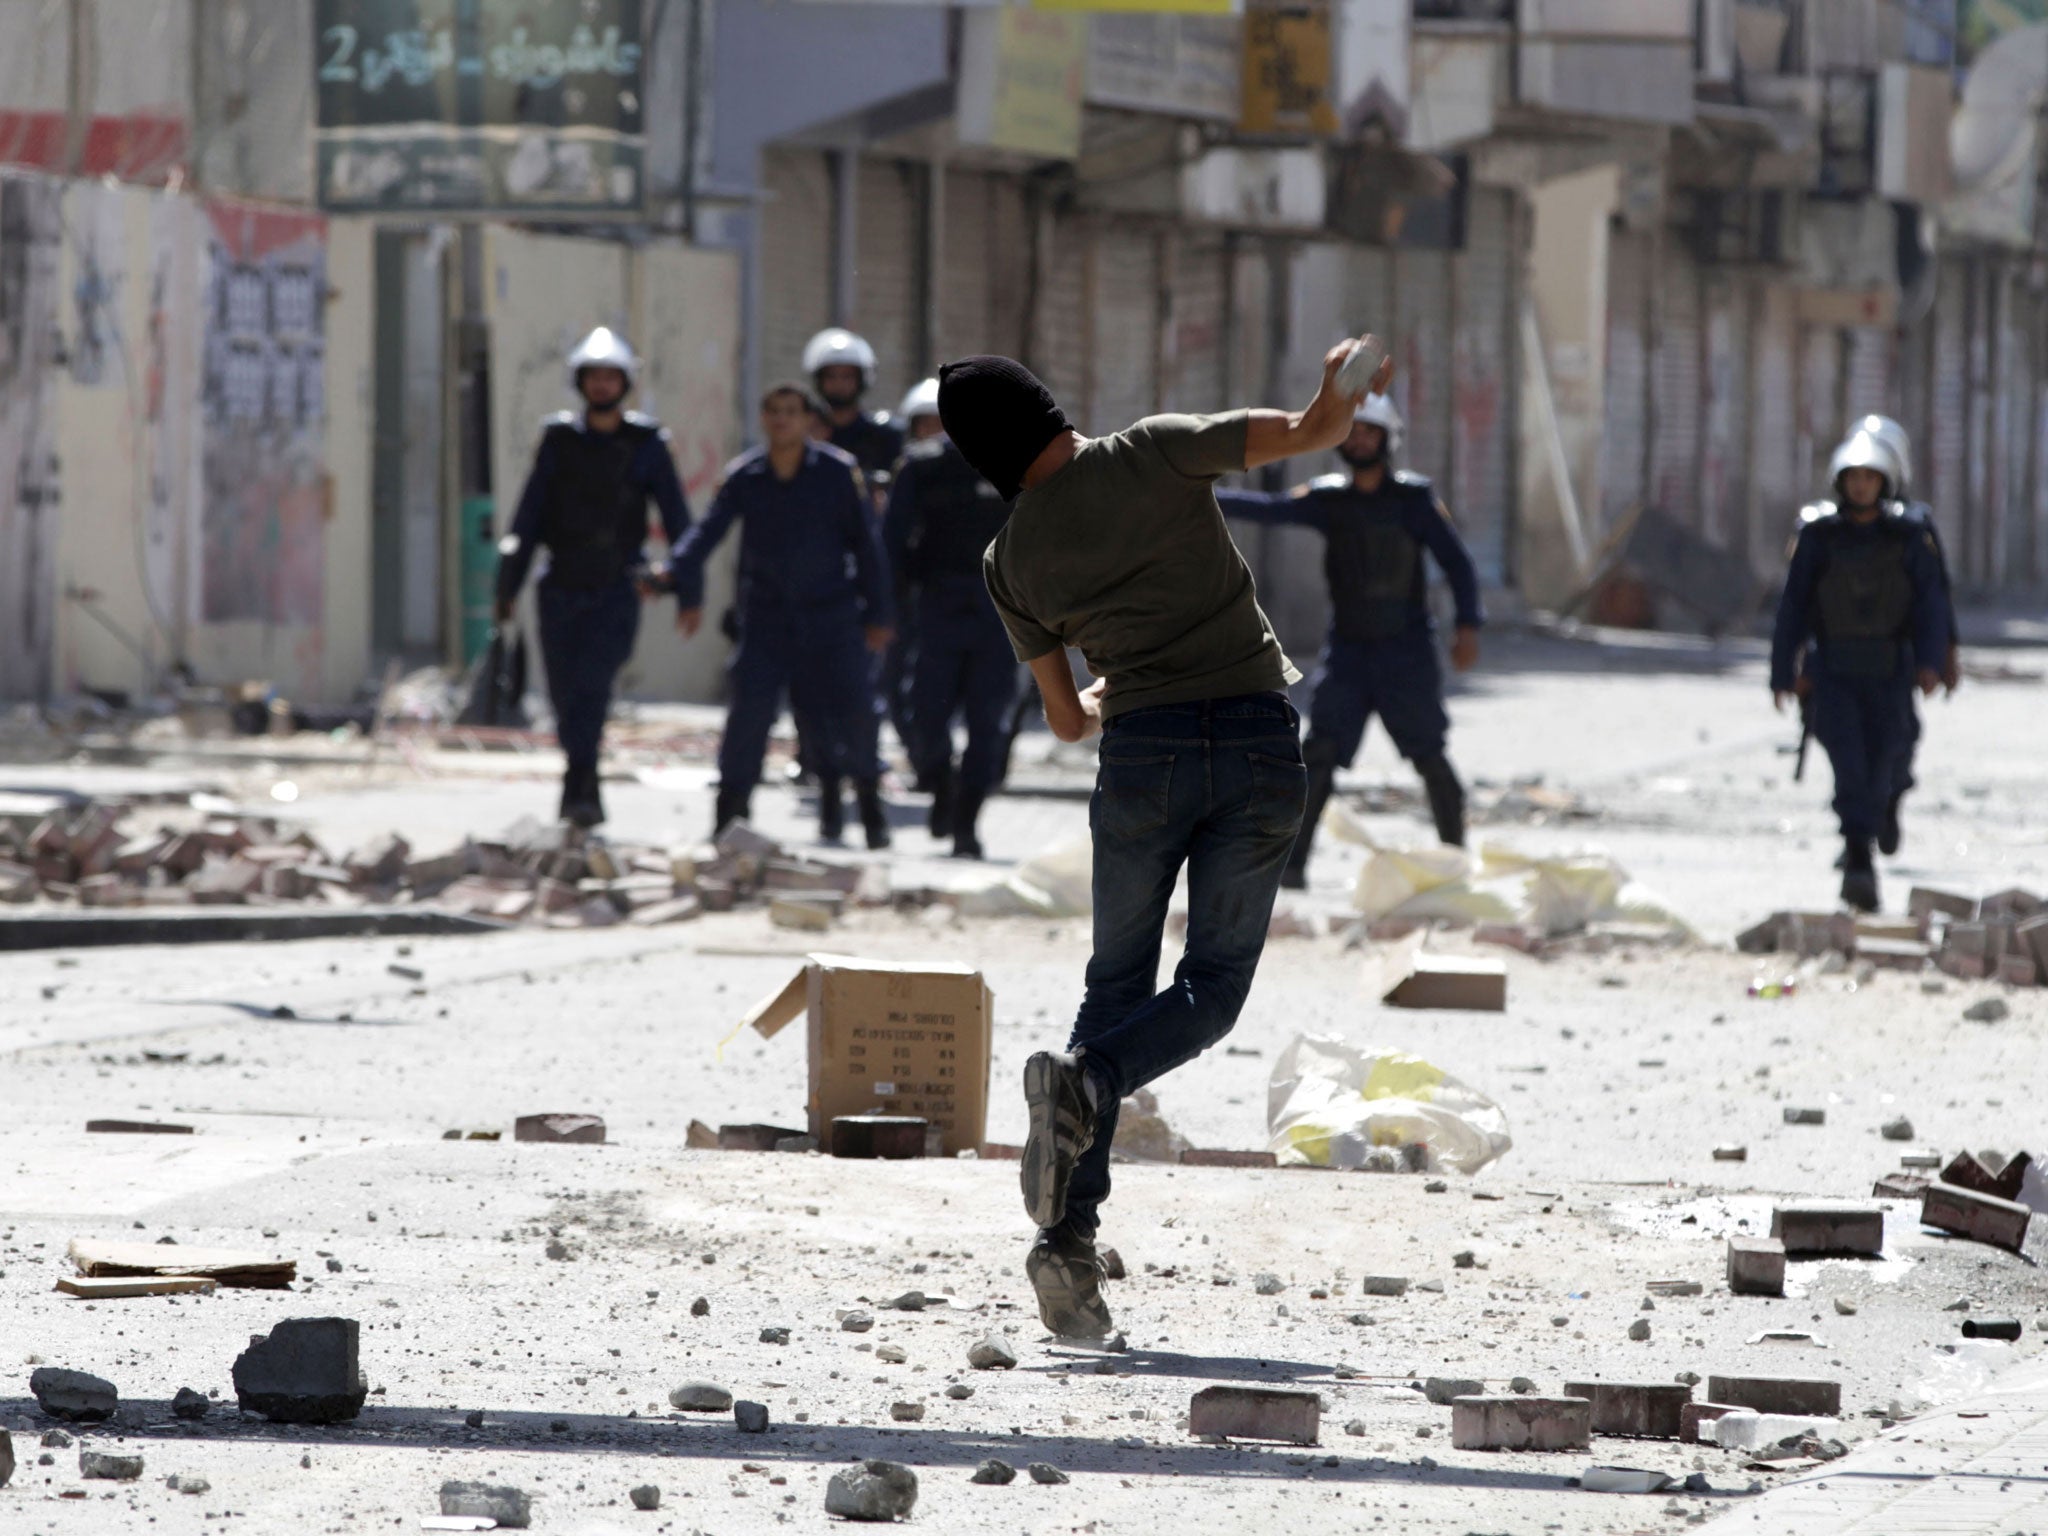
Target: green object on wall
(479,574)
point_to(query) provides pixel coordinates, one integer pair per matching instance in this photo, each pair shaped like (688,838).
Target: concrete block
(887,1136)
(1695,1421)
(1965,1172)
(2012,904)
(1970,938)
(1756,1267)
(1214,1157)
(1646,1408)
(1895,954)
(2032,936)
(1925,901)
(2013,970)
(1777,1394)
(1798,1116)
(1817,1229)
(1900,1186)
(304,1371)
(559,1127)
(1489,1423)
(1256,1413)
(753,1138)
(1962,967)
(1763,938)
(1984,1218)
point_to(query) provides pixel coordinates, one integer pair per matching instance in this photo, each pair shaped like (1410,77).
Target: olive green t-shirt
(1123,554)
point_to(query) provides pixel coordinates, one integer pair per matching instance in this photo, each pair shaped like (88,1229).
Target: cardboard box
(1414,978)
(893,1038)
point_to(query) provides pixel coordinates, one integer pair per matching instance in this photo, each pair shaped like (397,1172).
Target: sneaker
(1062,1116)
(1067,1275)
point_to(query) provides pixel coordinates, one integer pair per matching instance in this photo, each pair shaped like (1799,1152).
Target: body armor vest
(595,521)
(1864,596)
(1373,563)
(956,516)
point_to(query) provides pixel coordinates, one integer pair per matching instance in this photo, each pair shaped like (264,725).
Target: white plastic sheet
(1057,882)
(1554,896)
(1330,1103)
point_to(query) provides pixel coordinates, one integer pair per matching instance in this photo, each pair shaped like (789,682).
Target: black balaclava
(999,416)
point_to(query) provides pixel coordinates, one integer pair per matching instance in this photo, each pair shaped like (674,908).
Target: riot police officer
(586,503)
(813,602)
(942,517)
(1380,656)
(841,367)
(1865,586)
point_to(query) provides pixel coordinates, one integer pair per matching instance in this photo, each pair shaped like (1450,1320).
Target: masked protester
(1380,657)
(1865,587)
(585,503)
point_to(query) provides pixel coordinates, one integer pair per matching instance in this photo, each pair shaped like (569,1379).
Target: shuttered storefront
(1675,381)
(1781,487)
(1625,422)
(1724,449)
(1196,375)
(888,238)
(796,259)
(1944,479)
(985,256)
(1127,295)
(1480,475)
(1422,346)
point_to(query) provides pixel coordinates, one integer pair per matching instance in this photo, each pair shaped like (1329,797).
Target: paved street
(320,1132)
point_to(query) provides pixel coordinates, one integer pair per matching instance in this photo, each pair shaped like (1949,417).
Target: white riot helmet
(1894,437)
(830,348)
(1866,450)
(923,400)
(1383,413)
(603,348)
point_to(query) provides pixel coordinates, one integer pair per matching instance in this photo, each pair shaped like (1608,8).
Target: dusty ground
(1619,1072)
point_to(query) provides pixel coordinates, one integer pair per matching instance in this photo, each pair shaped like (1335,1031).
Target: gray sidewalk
(1977,1466)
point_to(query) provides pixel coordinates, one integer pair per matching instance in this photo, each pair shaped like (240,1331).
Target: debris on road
(1809,1231)
(512,1508)
(1645,1409)
(646,1496)
(1256,1413)
(1412,977)
(700,1397)
(108,1466)
(114,1290)
(73,1395)
(135,1128)
(1484,1422)
(304,1371)
(875,1490)
(1984,1218)
(878,1136)
(587,1129)
(232,1267)
(2003,936)
(992,1353)
(1332,1105)
(1625,1480)
(995,1473)
(1756,1266)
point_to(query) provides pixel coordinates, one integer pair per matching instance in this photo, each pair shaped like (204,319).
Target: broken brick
(1984,1218)
(1646,1408)
(1926,901)
(1216,1157)
(1512,1423)
(1256,1413)
(1822,1229)
(559,1127)
(2018,971)
(883,1136)
(1693,1415)
(1778,1394)
(1756,1267)
(753,1138)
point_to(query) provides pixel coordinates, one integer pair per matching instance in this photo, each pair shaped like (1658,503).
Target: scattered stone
(1465,1258)
(510,1507)
(906,1412)
(1731,1154)
(1648,1409)
(1268,1285)
(1805,1116)
(1675,1288)
(1489,1423)
(557,1249)
(189,1404)
(1844,1307)
(1256,1413)
(583,1129)
(1985,1218)
(1383,1285)
(750,1418)
(646,1496)
(474,1418)
(774,1335)
(1443,1390)
(1778,1395)
(875,1490)
(74,1395)
(996,1473)
(993,1353)
(1989,1011)
(857,1322)
(1639,1330)
(1045,1472)
(104,1464)
(304,1371)
(959,1391)
(700,1397)
(1112,1264)
(1900,1129)
(891,1354)
(179,1482)
(909,1301)
(1436,1187)
(1813,1230)
(56,1439)
(701,1307)
(1756,1266)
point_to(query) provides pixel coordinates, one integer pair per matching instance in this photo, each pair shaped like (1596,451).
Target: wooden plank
(141,1285)
(228,1266)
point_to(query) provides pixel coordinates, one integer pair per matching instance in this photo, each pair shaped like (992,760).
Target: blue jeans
(1218,786)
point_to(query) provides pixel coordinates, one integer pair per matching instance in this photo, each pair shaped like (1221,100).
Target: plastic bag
(1057,882)
(497,682)
(1554,896)
(1330,1103)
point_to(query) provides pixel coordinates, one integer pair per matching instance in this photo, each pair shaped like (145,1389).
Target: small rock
(1844,1307)
(751,1418)
(557,1249)
(1522,1386)
(1434,1287)
(103,1464)
(891,1354)
(474,1418)
(993,1353)
(1355,1427)
(1112,1266)
(186,1483)
(700,1397)
(646,1496)
(1900,1129)
(909,1301)
(189,1404)
(874,1490)
(1427,1464)
(334,1266)
(1441,1389)
(1435,1187)
(1268,1285)
(999,1473)
(906,1413)
(1687,1378)
(1960,1304)
(56,1439)
(1639,1330)
(1697,1483)
(1464,1259)
(857,1322)
(304,1371)
(1045,1472)
(1383,1285)
(74,1395)
(1989,1011)
(510,1507)
(774,1335)
(959,1392)
(701,1307)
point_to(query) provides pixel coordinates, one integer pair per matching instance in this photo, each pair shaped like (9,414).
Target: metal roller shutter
(796,258)
(1482,392)
(1064,319)
(967,249)
(1195,366)
(1422,345)
(1781,485)
(1723,450)
(888,237)
(1944,478)
(2010,542)
(1127,305)
(1624,412)
(1820,392)
(1977,467)
(1868,390)
(1675,377)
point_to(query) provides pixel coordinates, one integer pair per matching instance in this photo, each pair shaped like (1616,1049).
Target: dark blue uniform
(586,503)
(942,517)
(811,576)
(875,442)
(1871,597)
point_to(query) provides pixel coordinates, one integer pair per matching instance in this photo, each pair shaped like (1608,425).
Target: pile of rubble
(532,873)
(2003,936)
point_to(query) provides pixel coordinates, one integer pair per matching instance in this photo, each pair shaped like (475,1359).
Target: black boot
(572,790)
(940,781)
(1446,799)
(581,806)
(874,820)
(966,812)
(1322,778)
(831,808)
(732,806)
(1888,828)
(1859,875)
